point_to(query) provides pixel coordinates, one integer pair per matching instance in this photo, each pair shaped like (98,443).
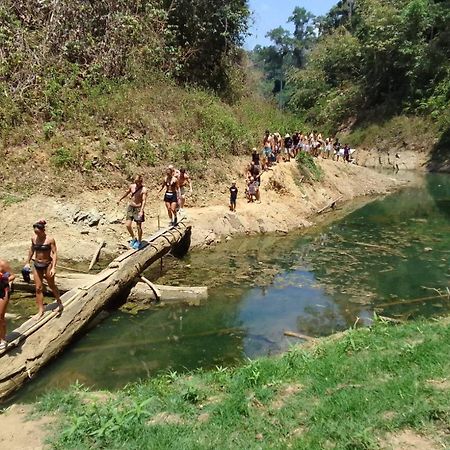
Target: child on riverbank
(233,196)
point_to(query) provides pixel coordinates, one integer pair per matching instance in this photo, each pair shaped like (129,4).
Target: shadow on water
(440,156)
(378,258)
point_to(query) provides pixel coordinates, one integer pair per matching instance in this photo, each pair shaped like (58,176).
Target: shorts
(233,200)
(267,151)
(134,213)
(182,190)
(170,197)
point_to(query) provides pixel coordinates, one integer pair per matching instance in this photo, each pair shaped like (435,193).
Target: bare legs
(172,211)
(3,305)
(139,231)
(129,225)
(39,276)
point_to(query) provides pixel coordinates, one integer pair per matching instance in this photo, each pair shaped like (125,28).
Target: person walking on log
(184,181)
(6,276)
(135,210)
(43,248)
(172,186)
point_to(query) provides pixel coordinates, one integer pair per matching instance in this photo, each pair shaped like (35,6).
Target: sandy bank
(78,223)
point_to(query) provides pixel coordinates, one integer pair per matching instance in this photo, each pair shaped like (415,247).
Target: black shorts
(170,197)
(233,200)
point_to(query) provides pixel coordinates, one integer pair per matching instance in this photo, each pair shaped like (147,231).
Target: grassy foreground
(350,392)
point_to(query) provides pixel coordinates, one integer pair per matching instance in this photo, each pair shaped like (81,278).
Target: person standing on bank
(43,248)
(172,186)
(233,196)
(135,210)
(184,180)
(6,276)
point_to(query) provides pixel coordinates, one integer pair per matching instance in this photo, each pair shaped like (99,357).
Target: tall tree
(304,34)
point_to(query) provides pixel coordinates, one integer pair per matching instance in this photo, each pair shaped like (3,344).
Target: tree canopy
(384,56)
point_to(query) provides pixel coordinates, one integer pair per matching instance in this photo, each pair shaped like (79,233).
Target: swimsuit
(41,266)
(4,286)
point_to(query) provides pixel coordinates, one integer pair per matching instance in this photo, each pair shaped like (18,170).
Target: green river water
(383,257)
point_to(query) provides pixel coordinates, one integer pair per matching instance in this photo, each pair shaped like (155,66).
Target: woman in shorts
(172,187)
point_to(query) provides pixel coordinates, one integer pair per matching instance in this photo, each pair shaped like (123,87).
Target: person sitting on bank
(43,248)
(6,277)
(135,210)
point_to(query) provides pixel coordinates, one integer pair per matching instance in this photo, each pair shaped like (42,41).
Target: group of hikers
(42,254)
(175,184)
(276,148)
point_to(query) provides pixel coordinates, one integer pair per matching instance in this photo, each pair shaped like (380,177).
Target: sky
(270,14)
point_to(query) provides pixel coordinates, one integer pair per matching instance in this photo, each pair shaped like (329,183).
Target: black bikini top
(41,247)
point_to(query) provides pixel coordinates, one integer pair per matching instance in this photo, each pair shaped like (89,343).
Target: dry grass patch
(443,384)
(165,418)
(284,394)
(408,440)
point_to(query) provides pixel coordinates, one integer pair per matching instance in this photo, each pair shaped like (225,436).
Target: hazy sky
(269,14)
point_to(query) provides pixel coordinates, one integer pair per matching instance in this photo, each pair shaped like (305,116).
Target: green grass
(344,393)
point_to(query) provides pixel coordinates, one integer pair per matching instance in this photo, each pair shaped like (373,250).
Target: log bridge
(38,341)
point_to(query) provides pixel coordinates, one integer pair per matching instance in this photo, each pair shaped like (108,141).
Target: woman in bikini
(172,186)
(6,276)
(43,248)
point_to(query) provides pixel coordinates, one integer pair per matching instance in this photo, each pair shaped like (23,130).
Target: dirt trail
(79,222)
(20,432)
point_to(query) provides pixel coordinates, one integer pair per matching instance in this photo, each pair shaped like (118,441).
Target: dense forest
(364,60)
(80,65)
(54,53)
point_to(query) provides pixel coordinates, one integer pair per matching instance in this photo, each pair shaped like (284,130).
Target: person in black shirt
(255,157)
(233,196)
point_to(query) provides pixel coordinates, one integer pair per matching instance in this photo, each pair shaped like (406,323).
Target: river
(386,257)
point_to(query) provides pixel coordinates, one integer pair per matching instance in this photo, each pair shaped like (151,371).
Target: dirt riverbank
(79,222)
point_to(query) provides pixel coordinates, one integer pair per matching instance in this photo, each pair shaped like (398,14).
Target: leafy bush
(63,158)
(308,168)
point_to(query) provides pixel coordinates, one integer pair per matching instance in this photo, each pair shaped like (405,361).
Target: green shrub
(143,151)
(308,168)
(64,158)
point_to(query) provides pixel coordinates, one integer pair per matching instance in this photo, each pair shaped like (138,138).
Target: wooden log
(142,293)
(153,288)
(96,255)
(46,341)
(299,336)
(330,205)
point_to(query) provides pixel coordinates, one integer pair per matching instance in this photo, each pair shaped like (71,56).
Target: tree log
(54,332)
(96,255)
(168,294)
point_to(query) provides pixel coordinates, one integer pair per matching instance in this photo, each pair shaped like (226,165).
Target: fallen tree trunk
(142,293)
(27,352)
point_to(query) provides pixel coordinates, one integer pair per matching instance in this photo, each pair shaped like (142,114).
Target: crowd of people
(42,254)
(276,148)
